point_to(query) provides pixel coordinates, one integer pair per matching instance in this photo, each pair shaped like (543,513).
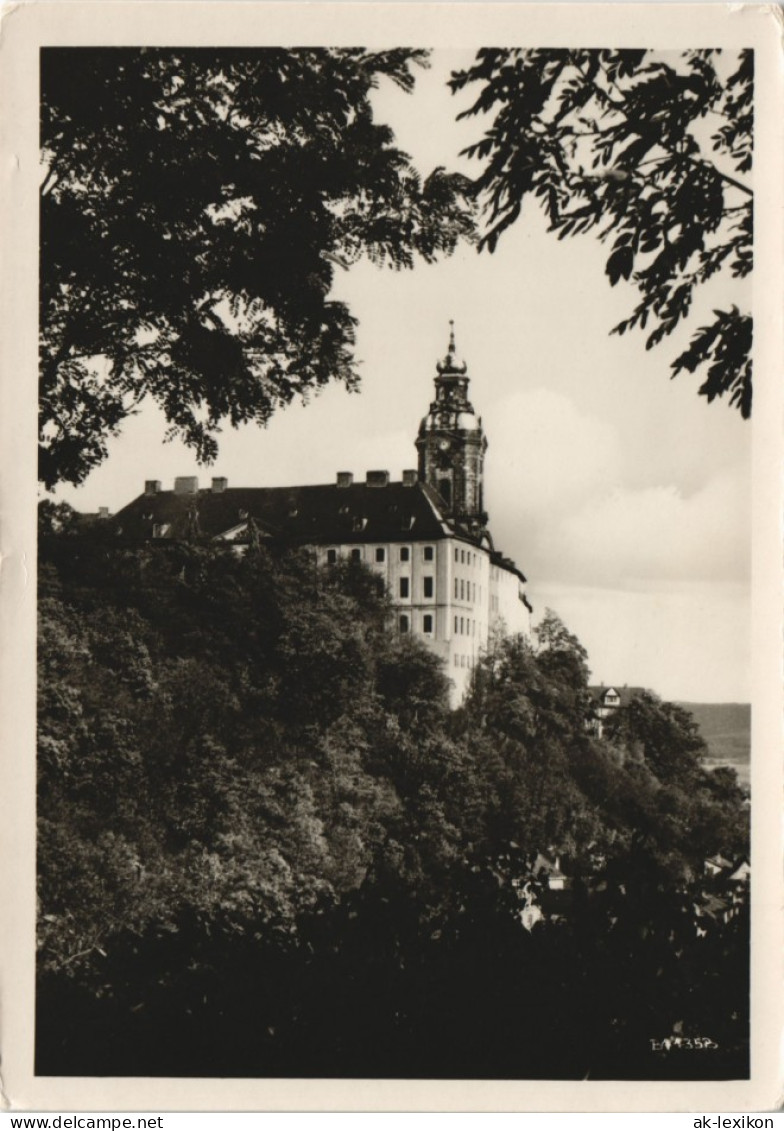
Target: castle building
(425,534)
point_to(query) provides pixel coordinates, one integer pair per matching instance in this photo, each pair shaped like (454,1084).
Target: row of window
(428,587)
(466,557)
(466,590)
(463,661)
(380,554)
(404,623)
(465,626)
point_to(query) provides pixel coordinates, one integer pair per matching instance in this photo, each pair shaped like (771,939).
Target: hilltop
(726,728)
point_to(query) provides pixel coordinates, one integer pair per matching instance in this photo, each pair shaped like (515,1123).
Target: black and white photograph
(394,604)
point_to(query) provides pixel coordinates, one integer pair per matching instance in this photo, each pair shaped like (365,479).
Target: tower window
(403,623)
(403,586)
(356,555)
(404,553)
(428,586)
(445,491)
(332,556)
(380,554)
(427,553)
(427,623)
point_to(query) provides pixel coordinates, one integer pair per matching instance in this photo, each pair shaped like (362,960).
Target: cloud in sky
(687,642)
(563,501)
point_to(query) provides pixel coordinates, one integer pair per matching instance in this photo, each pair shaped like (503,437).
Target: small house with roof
(607,700)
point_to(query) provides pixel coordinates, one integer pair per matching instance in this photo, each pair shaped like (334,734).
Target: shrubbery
(268,847)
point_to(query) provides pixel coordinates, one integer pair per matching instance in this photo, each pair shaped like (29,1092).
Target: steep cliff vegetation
(267,847)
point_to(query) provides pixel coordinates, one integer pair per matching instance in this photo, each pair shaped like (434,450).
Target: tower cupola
(451,442)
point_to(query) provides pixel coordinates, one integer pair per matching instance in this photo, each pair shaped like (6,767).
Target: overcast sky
(621,494)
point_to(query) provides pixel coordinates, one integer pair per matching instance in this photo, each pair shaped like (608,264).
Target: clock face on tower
(443,445)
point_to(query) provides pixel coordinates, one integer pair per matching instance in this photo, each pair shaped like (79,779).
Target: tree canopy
(194,207)
(647,150)
(267,847)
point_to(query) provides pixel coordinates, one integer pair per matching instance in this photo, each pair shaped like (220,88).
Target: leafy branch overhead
(648,152)
(194,207)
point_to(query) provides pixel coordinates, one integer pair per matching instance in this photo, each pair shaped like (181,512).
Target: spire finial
(449,364)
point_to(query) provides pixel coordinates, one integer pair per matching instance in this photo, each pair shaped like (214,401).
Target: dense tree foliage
(268,847)
(647,150)
(194,207)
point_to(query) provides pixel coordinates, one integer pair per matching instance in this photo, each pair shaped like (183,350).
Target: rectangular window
(462,626)
(403,623)
(380,554)
(428,553)
(427,623)
(455,624)
(428,586)
(462,589)
(403,586)
(462,557)
(457,555)
(356,555)
(404,553)
(456,588)
(332,556)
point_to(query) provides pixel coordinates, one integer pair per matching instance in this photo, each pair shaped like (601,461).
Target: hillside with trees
(726,728)
(267,847)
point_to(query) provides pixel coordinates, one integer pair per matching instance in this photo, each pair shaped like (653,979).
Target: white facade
(448,593)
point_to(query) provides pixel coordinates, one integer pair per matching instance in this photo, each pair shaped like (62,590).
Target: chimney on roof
(152,486)
(103,512)
(409,478)
(219,484)
(186,485)
(345,478)
(377,478)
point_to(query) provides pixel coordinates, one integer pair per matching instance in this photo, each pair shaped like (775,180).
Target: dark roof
(625,694)
(311,515)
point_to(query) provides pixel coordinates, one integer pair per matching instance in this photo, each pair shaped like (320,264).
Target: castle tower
(452,445)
